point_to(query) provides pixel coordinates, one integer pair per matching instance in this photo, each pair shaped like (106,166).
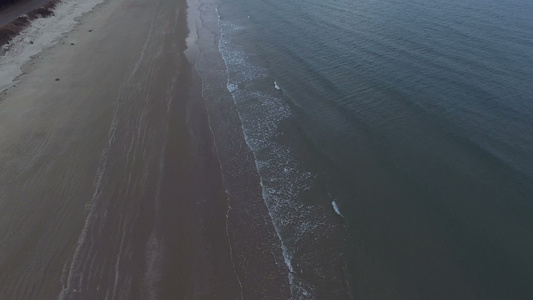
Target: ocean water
(393,141)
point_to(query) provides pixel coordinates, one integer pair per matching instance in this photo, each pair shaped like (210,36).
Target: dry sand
(104,190)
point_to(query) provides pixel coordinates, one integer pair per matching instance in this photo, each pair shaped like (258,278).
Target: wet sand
(109,185)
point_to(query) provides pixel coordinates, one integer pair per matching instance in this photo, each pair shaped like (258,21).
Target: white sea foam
(42,33)
(276,85)
(232,87)
(336,208)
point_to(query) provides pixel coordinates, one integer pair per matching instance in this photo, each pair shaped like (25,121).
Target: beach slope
(109,186)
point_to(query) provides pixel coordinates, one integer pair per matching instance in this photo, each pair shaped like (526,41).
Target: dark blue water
(396,157)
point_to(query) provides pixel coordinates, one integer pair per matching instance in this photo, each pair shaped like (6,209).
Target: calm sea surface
(393,139)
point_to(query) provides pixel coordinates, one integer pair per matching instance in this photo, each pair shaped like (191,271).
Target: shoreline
(256,248)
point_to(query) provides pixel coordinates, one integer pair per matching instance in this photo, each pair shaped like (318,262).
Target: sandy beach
(109,186)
